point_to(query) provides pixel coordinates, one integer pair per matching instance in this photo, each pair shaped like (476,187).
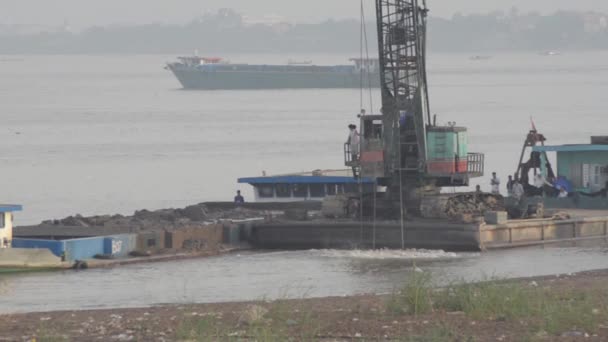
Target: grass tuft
(486,300)
(415,296)
(198,329)
(440,333)
(503,301)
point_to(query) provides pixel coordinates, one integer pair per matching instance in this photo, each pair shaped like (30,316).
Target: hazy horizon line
(65,25)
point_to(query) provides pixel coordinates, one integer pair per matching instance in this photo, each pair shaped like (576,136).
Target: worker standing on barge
(510,184)
(353,143)
(495,182)
(239,199)
(517,191)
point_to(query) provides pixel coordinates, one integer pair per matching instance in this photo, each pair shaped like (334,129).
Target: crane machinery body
(403,149)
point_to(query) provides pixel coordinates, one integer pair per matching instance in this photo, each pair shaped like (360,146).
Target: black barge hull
(353,235)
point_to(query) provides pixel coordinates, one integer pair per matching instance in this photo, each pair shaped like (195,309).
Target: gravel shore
(501,312)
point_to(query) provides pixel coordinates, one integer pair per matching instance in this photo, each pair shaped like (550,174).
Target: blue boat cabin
(313,186)
(584,167)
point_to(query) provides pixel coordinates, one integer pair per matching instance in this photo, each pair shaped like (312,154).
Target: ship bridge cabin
(196,60)
(312,186)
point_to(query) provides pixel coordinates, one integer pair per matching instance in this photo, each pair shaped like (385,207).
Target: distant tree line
(496,31)
(226,31)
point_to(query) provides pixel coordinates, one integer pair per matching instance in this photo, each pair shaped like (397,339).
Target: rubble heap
(474,204)
(163,219)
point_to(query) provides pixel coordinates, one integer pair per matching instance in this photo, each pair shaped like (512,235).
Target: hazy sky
(83,13)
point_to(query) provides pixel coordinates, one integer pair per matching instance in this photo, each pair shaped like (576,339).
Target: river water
(271,275)
(113,134)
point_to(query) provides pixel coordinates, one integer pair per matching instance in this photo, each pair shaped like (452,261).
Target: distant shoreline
(229,31)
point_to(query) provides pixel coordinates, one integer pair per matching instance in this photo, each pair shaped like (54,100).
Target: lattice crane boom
(402,48)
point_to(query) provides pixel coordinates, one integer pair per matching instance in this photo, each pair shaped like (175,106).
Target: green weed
(487,300)
(577,312)
(51,338)
(441,333)
(415,296)
(198,329)
(545,310)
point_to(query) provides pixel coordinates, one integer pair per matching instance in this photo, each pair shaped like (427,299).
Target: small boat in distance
(296,62)
(550,53)
(480,58)
(210,73)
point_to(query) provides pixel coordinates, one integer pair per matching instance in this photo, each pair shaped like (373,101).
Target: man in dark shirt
(238,199)
(510,184)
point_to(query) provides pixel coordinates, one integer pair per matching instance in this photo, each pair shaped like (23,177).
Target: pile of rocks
(462,206)
(474,204)
(163,219)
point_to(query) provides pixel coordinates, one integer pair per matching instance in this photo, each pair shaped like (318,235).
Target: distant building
(266,20)
(595,22)
(523,24)
(6,223)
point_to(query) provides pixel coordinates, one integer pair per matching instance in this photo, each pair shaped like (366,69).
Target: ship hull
(193,78)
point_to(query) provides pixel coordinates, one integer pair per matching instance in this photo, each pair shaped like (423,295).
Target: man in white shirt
(539,181)
(495,182)
(354,144)
(518,190)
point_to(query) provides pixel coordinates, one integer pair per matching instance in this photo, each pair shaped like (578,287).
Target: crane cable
(401,211)
(364,41)
(361,72)
(361,87)
(365,67)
